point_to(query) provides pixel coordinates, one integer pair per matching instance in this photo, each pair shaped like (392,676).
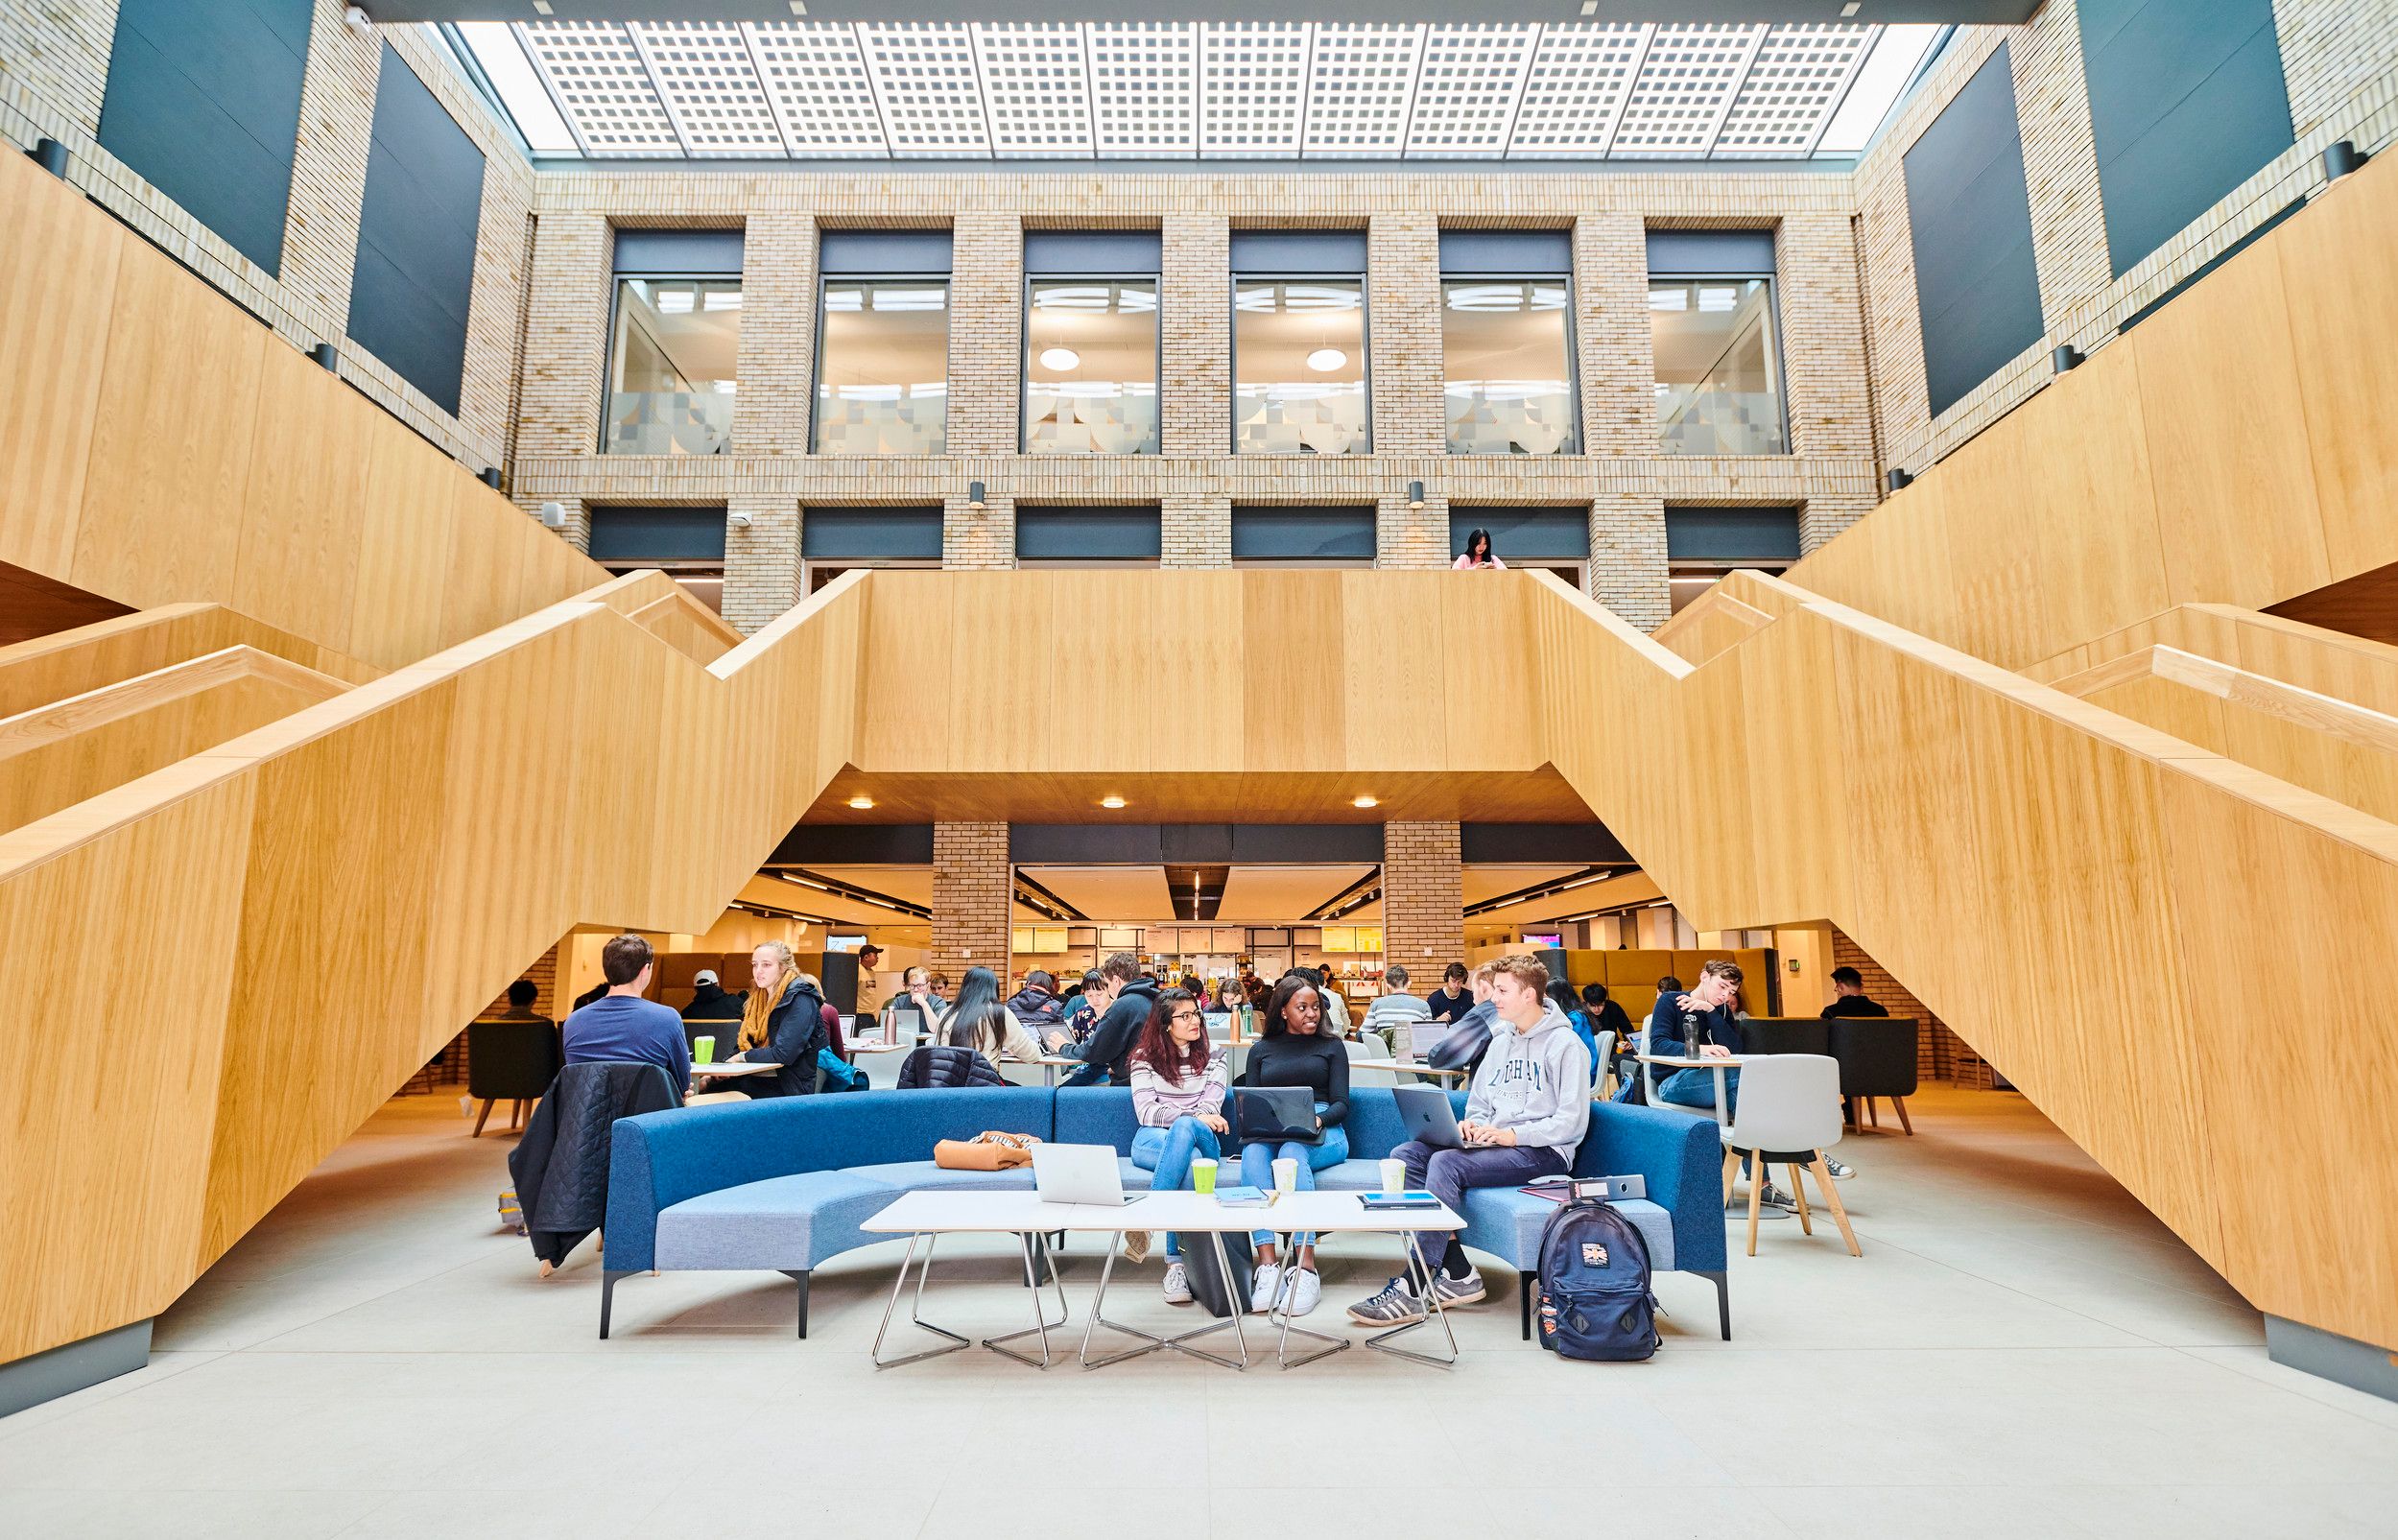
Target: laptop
(907,1024)
(1275,1114)
(1425,1113)
(1078,1173)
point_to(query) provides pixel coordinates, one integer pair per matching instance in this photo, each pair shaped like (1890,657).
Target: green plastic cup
(1203,1174)
(704,1050)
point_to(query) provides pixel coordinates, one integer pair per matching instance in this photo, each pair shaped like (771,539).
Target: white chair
(1599,1070)
(1787,1114)
(1649,1087)
(1373,1049)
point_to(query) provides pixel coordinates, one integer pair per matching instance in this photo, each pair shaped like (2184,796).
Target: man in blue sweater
(621,1027)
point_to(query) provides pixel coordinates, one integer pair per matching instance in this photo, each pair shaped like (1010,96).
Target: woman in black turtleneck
(1294,1050)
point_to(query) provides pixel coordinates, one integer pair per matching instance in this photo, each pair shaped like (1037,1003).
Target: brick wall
(1194,334)
(1403,333)
(567,336)
(1195,530)
(777,362)
(761,563)
(1941,1054)
(977,540)
(1415,538)
(1423,900)
(1627,568)
(985,333)
(972,898)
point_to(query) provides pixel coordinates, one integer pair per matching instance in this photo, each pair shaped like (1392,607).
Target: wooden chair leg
(1756,1191)
(1731,1165)
(516,1117)
(1872,1115)
(1832,1196)
(1799,1191)
(1904,1122)
(481,1116)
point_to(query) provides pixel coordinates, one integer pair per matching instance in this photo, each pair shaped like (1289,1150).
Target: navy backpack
(1594,1300)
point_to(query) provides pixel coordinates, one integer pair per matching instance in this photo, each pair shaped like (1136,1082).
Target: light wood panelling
(65,663)
(58,276)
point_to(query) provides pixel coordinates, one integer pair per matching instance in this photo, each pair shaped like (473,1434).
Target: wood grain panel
(51,668)
(58,277)
(2342,290)
(298,561)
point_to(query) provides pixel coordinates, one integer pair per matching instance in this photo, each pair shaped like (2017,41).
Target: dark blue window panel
(415,271)
(1330,253)
(870,534)
(203,102)
(1302,533)
(630,534)
(897,253)
(1531,534)
(1967,214)
(1712,253)
(2186,102)
(1096,254)
(1087,534)
(679,254)
(1761,535)
(1530,252)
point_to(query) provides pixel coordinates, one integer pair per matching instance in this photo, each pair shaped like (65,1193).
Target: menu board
(1339,937)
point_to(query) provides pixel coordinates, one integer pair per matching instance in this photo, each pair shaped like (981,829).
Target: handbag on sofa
(988,1151)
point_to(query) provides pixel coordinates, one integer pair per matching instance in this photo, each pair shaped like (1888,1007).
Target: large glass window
(883,368)
(1299,354)
(1090,367)
(1507,367)
(672,369)
(1719,372)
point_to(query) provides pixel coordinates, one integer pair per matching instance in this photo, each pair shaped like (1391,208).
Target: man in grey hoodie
(1524,1114)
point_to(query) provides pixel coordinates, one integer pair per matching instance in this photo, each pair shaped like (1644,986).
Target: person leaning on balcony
(1477,554)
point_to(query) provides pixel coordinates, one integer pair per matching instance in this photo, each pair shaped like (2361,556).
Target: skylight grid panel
(703,73)
(1360,78)
(931,94)
(1145,78)
(814,75)
(1252,88)
(1469,88)
(1686,83)
(1035,89)
(1576,87)
(601,85)
(1800,76)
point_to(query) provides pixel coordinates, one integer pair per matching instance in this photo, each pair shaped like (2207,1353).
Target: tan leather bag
(990,1150)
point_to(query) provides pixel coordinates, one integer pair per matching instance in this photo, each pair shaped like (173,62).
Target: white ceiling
(1243,90)
(1270,895)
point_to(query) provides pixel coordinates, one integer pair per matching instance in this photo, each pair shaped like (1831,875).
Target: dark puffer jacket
(795,1034)
(561,1165)
(943,1068)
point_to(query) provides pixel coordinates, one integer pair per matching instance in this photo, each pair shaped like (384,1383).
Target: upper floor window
(883,344)
(1507,343)
(672,361)
(1090,344)
(1711,325)
(1701,544)
(1298,343)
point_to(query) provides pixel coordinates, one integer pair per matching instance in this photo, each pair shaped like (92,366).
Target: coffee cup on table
(704,1050)
(1286,1175)
(1394,1176)
(1203,1174)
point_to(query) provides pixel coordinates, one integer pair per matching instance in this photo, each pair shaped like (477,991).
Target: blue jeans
(1169,1153)
(1257,1170)
(1447,1175)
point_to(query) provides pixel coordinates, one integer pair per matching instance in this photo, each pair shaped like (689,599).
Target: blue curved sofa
(782,1184)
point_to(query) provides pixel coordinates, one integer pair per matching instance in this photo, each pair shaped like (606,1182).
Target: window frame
(1232,356)
(616,280)
(1024,356)
(815,385)
(1573,360)
(834,566)
(1780,358)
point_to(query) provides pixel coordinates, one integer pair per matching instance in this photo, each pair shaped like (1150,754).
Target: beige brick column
(2060,163)
(1617,363)
(1195,334)
(979,541)
(1403,333)
(565,336)
(1823,517)
(1823,335)
(578,530)
(1423,900)
(1195,530)
(761,563)
(329,168)
(777,363)
(985,333)
(1627,569)
(1409,538)
(972,887)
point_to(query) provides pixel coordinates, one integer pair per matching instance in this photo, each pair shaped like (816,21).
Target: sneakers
(1452,1292)
(1136,1245)
(1177,1284)
(1839,1173)
(1775,1203)
(1264,1284)
(1395,1306)
(1306,1291)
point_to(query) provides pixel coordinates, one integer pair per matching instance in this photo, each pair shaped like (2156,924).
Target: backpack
(1593,1300)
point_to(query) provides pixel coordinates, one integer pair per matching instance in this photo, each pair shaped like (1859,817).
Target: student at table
(622,1028)
(1178,1100)
(1570,1005)
(1296,1048)
(997,1032)
(915,990)
(1849,998)
(1525,1116)
(1606,1016)
(782,1021)
(1394,1011)
(1336,1009)
(1126,1000)
(709,1002)
(1450,1003)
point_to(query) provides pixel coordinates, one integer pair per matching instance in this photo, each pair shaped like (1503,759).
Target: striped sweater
(1157,1102)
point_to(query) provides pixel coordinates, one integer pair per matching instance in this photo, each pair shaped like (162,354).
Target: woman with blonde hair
(782,1023)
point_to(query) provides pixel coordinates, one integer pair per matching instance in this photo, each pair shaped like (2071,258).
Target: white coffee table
(928,1216)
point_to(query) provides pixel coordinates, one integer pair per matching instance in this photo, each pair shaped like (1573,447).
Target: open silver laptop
(1078,1173)
(1424,1111)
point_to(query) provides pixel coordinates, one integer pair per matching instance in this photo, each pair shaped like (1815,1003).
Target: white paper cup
(1394,1176)
(1286,1175)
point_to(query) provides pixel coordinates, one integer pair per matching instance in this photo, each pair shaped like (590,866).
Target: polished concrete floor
(2022,1350)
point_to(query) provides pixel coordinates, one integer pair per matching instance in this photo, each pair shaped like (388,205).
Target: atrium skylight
(1040,90)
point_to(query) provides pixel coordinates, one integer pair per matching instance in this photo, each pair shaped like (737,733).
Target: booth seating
(510,1062)
(1876,1055)
(783,1183)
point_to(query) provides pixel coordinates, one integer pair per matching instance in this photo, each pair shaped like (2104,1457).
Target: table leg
(916,1311)
(1182,1343)
(1150,1342)
(1041,1325)
(1382,1343)
(1283,1298)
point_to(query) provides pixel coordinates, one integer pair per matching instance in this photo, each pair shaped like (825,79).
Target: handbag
(988,1150)
(1215,1293)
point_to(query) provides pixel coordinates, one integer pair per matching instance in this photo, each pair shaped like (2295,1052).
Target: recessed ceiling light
(1060,358)
(862,802)
(1362,801)
(1590,7)
(1324,360)
(1851,9)
(1111,802)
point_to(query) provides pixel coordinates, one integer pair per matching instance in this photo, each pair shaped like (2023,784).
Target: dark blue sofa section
(784,1183)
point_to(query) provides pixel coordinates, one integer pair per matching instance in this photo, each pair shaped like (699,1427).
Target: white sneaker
(1264,1284)
(1177,1284)
(1306,1289)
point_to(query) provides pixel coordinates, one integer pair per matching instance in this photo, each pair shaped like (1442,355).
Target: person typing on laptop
(1525,1115)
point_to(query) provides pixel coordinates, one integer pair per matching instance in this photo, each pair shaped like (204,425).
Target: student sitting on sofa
(1178,1101)
(1296,1048)
(1525,1115)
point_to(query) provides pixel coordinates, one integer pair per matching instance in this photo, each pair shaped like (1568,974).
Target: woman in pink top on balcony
(1477,554)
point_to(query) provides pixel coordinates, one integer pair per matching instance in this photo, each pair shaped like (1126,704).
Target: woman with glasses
(1177,1098)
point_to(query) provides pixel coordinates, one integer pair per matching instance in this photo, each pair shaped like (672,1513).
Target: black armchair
(1877,1058)
(1784,1035)
(513,1061)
